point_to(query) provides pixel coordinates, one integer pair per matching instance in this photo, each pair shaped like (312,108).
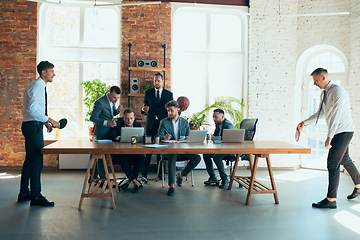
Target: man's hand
(328,142)
(144,108)
(300,126)
(54,124)
(49,127)
(167,137)
(120,108)
(111,123)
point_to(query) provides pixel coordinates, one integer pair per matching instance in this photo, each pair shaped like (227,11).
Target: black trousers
(151,132)
(33,164)
(128,160)
(339,155)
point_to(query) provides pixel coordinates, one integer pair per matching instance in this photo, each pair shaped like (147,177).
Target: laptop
(196,136)
(233,135)
(127,133)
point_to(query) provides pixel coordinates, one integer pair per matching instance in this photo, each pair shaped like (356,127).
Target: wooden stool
(94,189)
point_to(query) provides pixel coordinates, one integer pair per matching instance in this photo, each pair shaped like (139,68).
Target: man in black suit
(103,112)
(154,107)
(126,160)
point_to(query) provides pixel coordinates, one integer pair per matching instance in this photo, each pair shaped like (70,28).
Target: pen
(166,131)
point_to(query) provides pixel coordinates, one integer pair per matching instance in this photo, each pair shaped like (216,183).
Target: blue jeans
(33,164)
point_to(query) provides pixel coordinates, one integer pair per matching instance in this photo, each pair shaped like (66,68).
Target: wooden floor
(198,212)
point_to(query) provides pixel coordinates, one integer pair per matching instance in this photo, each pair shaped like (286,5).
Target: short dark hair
(129,110)
(218,110)
(43,66)
(319,71)
(115,89)
(172,103)
(159,74)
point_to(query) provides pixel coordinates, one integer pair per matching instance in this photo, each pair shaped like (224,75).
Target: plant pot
(194,128)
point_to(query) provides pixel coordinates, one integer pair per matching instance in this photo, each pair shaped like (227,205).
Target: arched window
(314,136)
(83,43)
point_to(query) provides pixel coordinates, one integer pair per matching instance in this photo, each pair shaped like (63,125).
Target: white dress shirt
(34,101)
(176,128)
(336,110)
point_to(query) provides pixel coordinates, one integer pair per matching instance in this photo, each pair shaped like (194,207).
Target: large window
(314,136)
(83,43)
(208,55)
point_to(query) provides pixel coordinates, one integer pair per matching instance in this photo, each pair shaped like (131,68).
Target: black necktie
(323,100)
(157,97)
(46,103)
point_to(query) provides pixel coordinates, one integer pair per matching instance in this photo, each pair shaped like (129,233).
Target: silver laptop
(196,136)
(233,135)
(127,133)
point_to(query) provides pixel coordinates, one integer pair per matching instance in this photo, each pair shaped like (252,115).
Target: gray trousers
(219,163)
(194,161)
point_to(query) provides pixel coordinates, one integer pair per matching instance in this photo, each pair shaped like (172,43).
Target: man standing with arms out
(103,112)
(126,160)
(34,117)
(171,128)
(221,124)
(154,107)
(335,106)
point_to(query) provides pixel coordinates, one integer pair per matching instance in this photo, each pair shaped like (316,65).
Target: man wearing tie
(154,107)
(34,117)
(103,112)
(335,106)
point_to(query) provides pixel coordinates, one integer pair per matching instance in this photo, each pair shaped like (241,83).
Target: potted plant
(94,89)
(225,103)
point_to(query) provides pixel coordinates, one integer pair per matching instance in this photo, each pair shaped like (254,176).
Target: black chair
(249,124)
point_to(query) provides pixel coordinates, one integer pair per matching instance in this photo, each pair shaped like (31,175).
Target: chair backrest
(249,124)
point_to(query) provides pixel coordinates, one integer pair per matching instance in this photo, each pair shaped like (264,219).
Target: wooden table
(261,149)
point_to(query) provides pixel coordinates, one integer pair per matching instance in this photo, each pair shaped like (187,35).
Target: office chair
(249,124)
(162,164)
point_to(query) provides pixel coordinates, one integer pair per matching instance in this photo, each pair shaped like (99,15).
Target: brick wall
(18,24)
(146,27)
(354,78)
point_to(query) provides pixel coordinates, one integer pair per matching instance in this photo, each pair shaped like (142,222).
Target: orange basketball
(184,102)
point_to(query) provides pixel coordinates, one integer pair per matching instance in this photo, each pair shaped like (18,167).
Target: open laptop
(127,133)
(233,135)
(196,136)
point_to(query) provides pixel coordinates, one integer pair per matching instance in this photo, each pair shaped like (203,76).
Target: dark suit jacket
(167,124)
(101,112)
(116,131)
(158,110)
(226,124)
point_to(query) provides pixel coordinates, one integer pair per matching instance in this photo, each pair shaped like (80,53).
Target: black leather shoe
(224,183)
(41,201)
(211,181)
(136,188)
(171,191)
(325,204)
(179,180)
(24,197)
(124,186)
(354,194)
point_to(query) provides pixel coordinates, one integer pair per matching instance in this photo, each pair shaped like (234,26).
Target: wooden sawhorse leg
(95,186)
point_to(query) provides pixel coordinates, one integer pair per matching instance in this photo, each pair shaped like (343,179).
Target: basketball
(184,102)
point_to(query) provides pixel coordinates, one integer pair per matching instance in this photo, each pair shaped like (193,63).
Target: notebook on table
(233,135)
(127,133)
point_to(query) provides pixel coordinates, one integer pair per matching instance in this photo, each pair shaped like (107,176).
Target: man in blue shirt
(34,117)
(335,106)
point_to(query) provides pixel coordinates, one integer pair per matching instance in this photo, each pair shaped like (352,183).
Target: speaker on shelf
(146,63)
(134,85)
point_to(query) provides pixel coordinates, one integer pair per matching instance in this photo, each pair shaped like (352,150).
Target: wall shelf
(146,69)
(136,94)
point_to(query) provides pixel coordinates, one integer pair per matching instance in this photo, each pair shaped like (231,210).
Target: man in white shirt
(172,128)
(335,106)
(34,117)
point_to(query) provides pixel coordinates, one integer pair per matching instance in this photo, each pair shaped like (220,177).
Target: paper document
(103,140)
(155,146)
(173,141)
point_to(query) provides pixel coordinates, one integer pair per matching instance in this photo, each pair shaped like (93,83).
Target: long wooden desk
(257,148)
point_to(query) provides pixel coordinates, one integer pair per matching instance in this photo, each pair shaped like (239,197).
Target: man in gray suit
(103,112)
(221,123)
(171,128)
